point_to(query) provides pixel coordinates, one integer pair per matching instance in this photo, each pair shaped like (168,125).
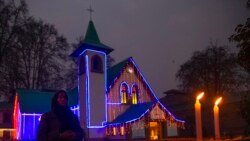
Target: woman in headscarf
(60,124)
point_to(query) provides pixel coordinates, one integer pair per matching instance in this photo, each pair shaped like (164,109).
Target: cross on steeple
(90,12)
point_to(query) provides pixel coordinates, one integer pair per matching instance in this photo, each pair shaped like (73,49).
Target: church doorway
(154,130)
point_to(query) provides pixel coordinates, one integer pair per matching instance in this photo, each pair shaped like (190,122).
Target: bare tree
(37,59)
(42,52)
(213,70)
(12,13)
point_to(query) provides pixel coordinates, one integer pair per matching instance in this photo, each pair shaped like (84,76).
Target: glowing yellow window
(134,98)
(124,93)
(114,131)
(135,94)
(124,97)
(122,131)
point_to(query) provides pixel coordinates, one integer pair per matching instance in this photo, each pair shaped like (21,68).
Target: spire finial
(90,12)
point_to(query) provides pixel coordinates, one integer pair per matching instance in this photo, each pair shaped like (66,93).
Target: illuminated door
(153,130)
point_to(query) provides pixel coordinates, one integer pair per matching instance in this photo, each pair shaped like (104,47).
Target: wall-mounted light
(130,69)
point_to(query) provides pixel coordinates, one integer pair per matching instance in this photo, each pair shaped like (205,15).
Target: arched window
(135,94)
(96,64)
(82,65)
(124,93)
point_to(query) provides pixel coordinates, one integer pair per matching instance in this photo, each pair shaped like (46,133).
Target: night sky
(160,35)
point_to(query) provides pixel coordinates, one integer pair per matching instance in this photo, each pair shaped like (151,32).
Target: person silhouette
(60,123)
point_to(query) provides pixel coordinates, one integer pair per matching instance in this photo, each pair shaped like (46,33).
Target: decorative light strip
(104,124)
(36,114)
(130,59)
(78,88)
(75,110)
(97,126)
(19,124)
(75,107)
(88,91)
(15,116)
(28,114)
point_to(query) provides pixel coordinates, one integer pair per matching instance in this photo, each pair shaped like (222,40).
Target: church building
(111,103)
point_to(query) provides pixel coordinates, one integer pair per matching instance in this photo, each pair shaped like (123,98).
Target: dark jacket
(50,127)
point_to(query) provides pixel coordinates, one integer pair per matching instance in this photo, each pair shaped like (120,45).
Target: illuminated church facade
(112,103)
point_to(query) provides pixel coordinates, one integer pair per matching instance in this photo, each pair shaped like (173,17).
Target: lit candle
(216,119)
(198,117)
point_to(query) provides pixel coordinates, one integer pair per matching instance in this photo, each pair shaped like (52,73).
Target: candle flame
(200,96)
(218,101)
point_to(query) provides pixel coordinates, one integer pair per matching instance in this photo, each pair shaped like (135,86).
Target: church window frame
(96,64)
(124,93)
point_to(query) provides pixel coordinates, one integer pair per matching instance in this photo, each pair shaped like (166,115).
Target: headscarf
(63,113)
(55,105)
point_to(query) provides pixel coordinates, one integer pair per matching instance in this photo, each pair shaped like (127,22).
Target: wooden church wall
(114,106)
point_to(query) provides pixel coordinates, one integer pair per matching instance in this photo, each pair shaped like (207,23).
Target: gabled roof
(113,72)
(137,111)
(133,113)
(91,41)
(36,101)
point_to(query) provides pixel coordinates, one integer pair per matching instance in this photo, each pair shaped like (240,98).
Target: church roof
(91,34)
(113,72)
(91,41)
(38,101)
(137,111)
(133,113)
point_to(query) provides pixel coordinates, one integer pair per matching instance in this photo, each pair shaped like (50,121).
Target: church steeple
(91,41)
(91,34)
